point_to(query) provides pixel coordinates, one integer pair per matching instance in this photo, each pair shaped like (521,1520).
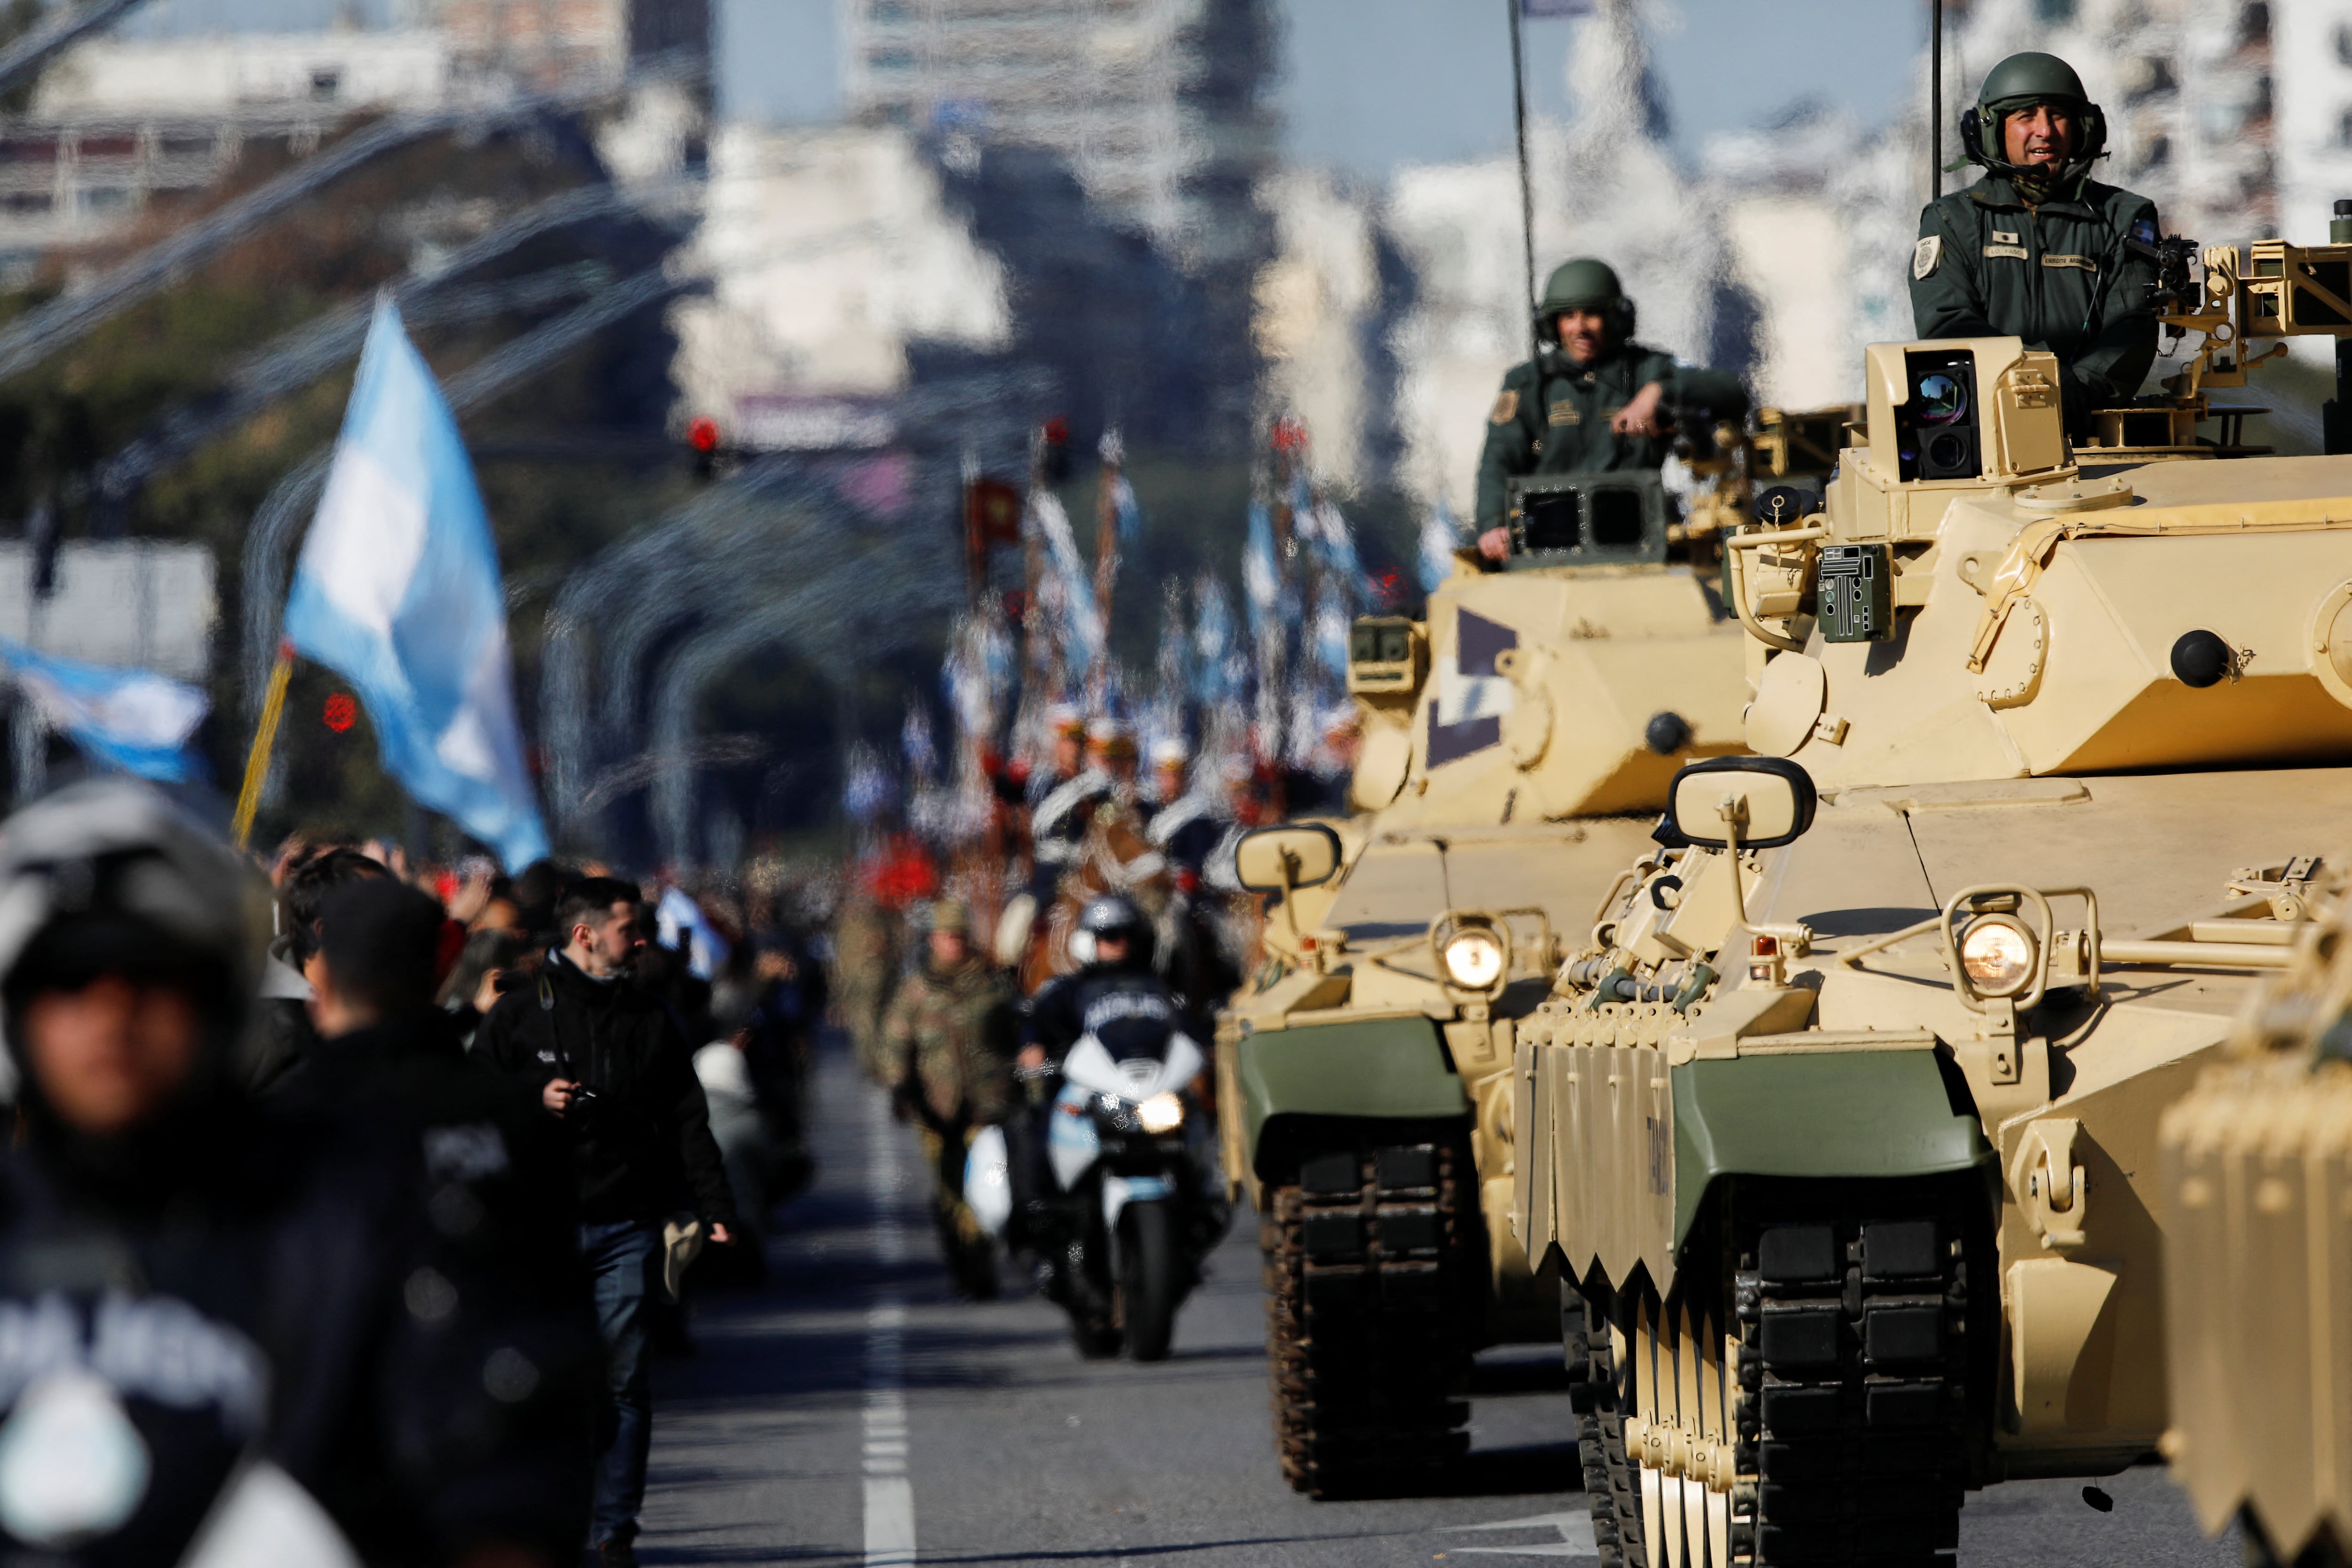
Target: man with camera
(1595,402)
(609,1063)
(2037,249)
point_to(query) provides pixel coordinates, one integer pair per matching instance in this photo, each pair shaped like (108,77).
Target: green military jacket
(1565,431)
(2058,276)
(949,1037)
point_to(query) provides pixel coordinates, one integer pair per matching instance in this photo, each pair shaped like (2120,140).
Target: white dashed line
(889,1492)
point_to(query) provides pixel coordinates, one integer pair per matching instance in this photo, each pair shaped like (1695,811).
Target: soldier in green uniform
(947,1060)
(1605,401)
(2037,249)
(865,966)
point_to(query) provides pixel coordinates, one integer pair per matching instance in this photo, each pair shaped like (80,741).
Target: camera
(1939,420)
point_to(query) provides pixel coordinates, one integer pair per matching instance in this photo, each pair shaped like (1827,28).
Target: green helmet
(1586,284)
(2020,82)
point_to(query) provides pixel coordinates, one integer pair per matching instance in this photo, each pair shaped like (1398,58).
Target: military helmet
(2020,82)
(952,915)
(1585,283)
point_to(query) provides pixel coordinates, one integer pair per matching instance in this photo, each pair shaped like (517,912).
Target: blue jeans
(620,1258)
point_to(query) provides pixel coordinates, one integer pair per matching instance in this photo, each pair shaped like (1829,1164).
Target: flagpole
(264,737)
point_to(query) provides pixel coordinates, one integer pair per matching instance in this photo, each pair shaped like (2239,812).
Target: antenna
(1526,191)
(1935,98)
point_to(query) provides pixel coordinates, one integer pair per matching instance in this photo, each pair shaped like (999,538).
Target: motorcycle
(1121,1241)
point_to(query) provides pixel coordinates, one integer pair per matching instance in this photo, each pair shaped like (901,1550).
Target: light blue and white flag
(133,719)
(398,591)
(1441,536)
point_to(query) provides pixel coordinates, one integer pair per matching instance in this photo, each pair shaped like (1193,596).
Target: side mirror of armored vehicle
(1296,855)
(1765,800)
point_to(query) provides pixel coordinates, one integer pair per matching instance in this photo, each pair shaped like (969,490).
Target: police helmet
(110,877)
(2018,83)
(1586,283)
(1114,915)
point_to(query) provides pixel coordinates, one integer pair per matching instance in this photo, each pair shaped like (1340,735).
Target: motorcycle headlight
(1162,1113)
(1998,954)
(1474,959)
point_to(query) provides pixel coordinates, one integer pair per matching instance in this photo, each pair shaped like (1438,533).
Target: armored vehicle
(1842,1118)
(1364,1075)
(2257,1163)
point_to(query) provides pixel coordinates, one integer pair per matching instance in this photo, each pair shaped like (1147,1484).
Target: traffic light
(702,440)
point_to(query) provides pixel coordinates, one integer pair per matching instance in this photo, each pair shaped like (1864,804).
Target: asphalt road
(854,1411)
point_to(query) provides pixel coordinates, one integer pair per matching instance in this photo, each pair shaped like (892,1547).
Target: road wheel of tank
(1375,1279)
(1150,1278)
(1803,1396)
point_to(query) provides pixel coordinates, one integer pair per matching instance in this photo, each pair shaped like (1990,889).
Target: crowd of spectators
(351,1199)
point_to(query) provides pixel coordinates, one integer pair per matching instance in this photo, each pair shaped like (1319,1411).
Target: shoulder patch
(1927,256)
(1507,407)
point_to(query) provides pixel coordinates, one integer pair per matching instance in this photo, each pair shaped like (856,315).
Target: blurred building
(1154,103)
(550,44)
(115,122)
(830,252)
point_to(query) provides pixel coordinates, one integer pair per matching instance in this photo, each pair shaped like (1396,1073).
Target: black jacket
(1132,1011)
(641,1148)
(325,1293)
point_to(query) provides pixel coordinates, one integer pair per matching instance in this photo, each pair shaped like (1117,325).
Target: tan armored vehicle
(2257,1166)
(1507,739)
(1844,1114)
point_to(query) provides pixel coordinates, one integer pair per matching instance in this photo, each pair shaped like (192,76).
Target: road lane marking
(1574,1527)
(889,1490)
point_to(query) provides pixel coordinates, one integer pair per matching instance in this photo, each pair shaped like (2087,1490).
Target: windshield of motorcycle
(1174,1063)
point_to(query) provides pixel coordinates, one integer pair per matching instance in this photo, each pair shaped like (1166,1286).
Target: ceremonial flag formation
(398,591)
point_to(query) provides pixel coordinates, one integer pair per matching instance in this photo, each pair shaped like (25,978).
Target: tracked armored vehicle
(1842,1120)
(2257,1162)
(1509,737)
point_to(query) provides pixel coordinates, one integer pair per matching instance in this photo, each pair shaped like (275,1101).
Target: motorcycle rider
(1114,997)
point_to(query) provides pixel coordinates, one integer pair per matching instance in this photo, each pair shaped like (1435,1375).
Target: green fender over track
(1378,1066)
(1852,1113)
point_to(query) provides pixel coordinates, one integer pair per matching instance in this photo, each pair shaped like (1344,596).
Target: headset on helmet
(2018,82)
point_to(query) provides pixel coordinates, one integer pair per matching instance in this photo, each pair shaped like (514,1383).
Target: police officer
(215,1311)
(2037,249)
(949,1038)
(1115,998)
(1602,401)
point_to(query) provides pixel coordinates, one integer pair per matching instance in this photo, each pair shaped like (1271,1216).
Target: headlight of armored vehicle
(1998,952)
(1162,1113)
(1473,958)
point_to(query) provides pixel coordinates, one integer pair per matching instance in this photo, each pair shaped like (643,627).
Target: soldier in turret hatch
(1601,403)
(2037,249)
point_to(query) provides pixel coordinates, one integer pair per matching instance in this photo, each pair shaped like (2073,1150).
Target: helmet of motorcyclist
(1114,915)
(110,880)
(2015,86)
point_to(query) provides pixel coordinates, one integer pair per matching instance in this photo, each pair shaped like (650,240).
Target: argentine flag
(398,591)
(133,719)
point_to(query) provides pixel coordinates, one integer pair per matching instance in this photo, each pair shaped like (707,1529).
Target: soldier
(2037,249)
(948,1064)
(864,967)
(1605,401)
